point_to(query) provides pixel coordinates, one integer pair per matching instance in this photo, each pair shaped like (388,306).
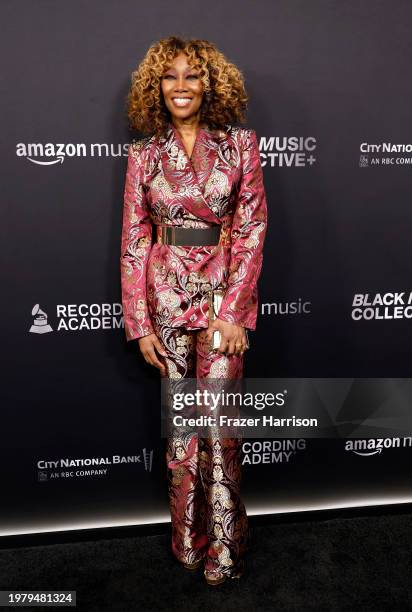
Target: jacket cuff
(134,331)
(244,319)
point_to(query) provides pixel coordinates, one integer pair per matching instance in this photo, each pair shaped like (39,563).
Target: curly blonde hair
(224,96)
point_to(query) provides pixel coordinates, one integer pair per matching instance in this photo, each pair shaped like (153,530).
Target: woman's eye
(192,76)
(168,76)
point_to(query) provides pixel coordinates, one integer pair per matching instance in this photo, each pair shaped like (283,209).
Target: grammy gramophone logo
(40,324)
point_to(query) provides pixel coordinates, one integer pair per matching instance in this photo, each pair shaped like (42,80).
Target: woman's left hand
(233,337)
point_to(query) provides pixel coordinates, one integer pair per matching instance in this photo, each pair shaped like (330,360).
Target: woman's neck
(187,127)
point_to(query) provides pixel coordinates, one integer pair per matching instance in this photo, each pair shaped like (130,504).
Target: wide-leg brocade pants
(208,516)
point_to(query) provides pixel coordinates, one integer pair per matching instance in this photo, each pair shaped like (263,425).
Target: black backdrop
(333,77)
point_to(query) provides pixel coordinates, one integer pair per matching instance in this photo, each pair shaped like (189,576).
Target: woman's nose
(180,84)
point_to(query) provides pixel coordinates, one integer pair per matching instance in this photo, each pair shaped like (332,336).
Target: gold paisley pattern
(209,519)
(165,291)
(222,183)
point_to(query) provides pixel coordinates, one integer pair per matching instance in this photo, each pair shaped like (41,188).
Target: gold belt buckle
(167,234)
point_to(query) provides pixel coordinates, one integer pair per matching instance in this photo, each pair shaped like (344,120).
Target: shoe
(192,566)
(214,581)
(220,579)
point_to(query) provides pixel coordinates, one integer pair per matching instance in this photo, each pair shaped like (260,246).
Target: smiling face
(182,88)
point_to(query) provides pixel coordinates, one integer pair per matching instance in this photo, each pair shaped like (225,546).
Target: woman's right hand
(148,346)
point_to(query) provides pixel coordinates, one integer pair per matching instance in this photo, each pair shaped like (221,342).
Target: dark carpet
(341,563)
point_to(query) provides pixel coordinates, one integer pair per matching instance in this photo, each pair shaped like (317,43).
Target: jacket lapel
(187,177)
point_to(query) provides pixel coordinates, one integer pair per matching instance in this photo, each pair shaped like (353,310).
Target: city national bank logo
(287,151)
(374,446)
(78,317)
(385,154)
(89,467)
(271,451)
(50,154)
(382,306)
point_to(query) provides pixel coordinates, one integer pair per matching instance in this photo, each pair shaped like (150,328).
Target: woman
(197,178)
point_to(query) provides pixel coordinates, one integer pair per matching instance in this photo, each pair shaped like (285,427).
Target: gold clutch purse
(215,301)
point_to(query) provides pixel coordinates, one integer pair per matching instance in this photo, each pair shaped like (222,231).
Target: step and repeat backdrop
(330,89)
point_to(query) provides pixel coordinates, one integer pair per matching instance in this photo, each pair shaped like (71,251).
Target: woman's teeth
(181,101)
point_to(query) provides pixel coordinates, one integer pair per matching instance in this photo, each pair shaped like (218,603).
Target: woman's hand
(148,346)
(233,337)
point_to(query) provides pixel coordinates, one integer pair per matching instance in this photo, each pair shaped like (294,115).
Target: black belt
(188,236)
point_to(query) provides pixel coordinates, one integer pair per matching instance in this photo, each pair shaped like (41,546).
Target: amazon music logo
(50,153)
(374,446)
(286,308)
(287,151)
(262,452)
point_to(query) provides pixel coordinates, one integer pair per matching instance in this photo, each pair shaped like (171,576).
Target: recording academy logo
(40,323)
(50,154)
(385,154)
(382,306)
(287,151)
(66,467)
(374,446)
(262,452)
(78,317)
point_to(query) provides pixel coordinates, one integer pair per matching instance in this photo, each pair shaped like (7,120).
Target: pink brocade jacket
(221,183)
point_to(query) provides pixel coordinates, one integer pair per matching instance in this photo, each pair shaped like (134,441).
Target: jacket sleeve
(240,302)
(136,242)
